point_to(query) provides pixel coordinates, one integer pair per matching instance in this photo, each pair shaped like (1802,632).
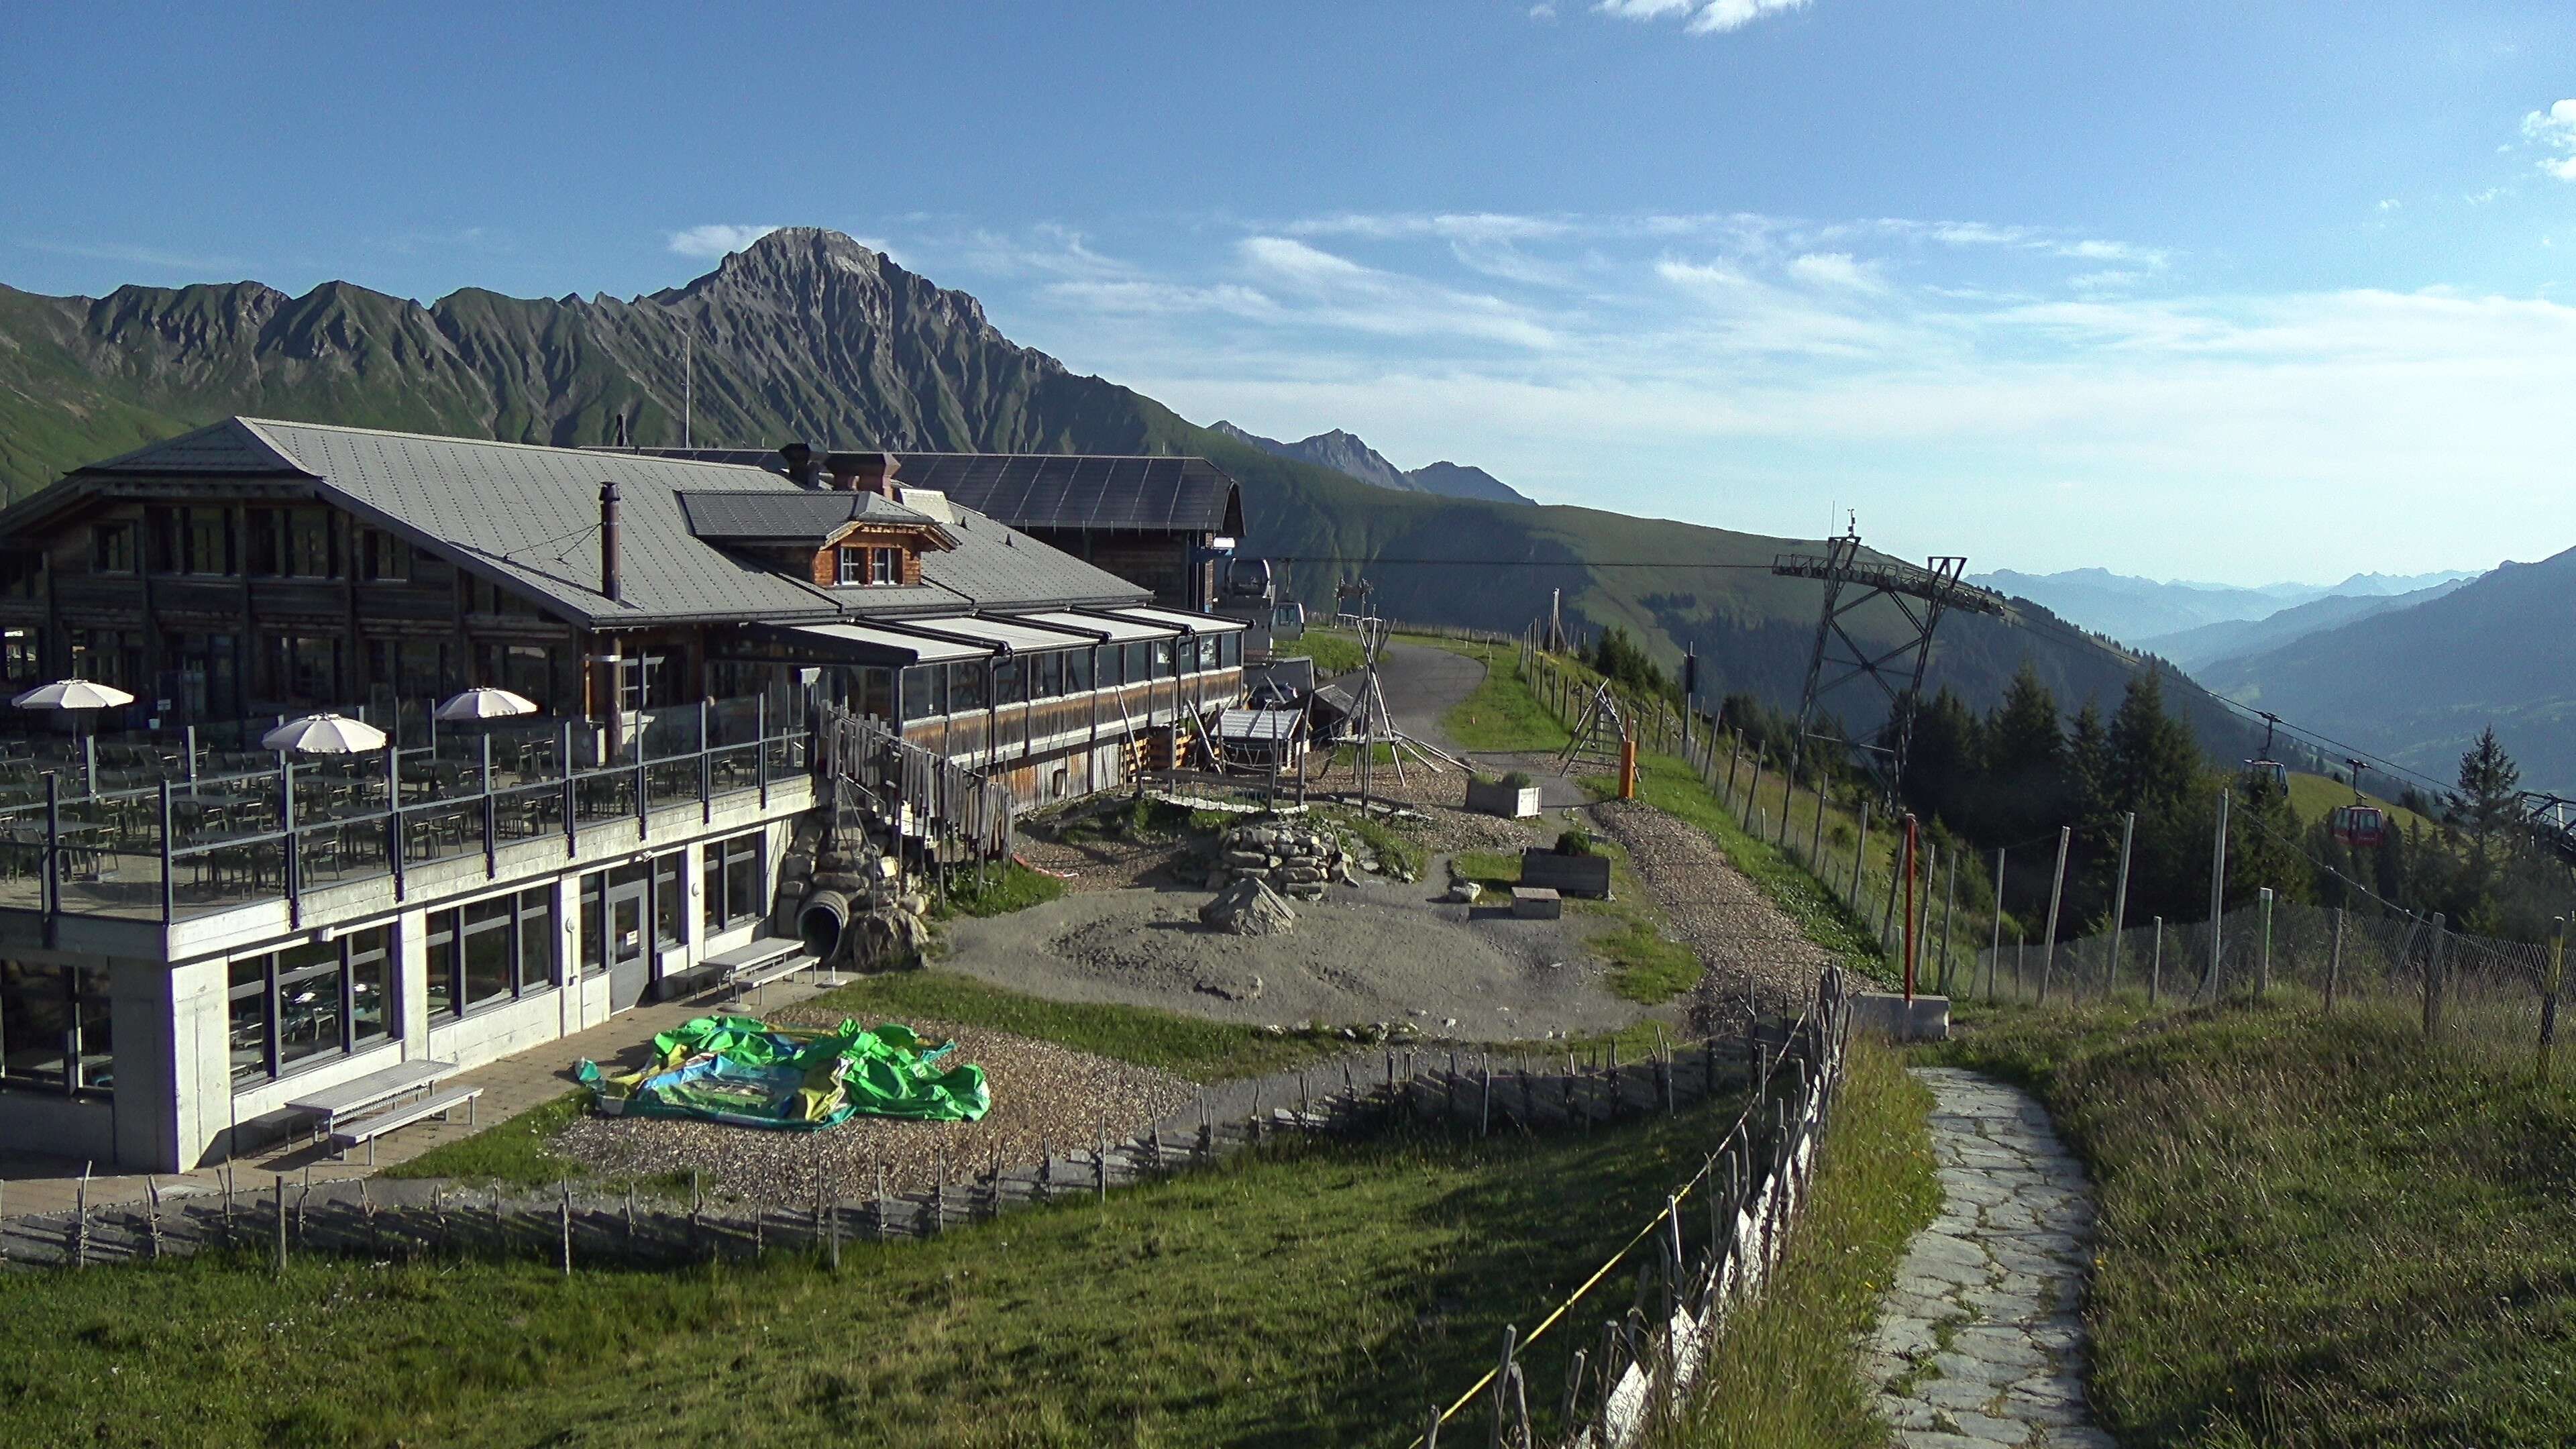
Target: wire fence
(1628,1368)
(2474,987)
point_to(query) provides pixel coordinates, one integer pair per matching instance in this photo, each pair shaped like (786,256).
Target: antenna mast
(688,386)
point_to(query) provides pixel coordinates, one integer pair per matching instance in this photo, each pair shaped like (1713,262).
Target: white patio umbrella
(73,694)
(484,702)
(324,734)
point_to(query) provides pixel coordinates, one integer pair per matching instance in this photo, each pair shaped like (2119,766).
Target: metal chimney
(609,583)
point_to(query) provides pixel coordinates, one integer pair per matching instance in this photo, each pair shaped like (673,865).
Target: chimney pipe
(869,472)
(608,580)
(802,465)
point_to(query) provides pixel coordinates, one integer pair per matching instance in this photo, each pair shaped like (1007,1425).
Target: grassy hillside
(2315,1231)
(2313,797)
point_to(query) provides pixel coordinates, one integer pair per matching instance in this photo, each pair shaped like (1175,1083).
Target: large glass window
(670,900)
(966,686)
(309,1002)
(537,936)
(1162,659)
(247,1006)
(1140,662)
(487,945)
(875,695)
(1077,671)
(1010,680)
(54,1028)
(197,540)
(594,921)
(383,558)
(491,951)
(732,882)
(925,691)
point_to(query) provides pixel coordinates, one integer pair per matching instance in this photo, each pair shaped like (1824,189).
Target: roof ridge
(256,424)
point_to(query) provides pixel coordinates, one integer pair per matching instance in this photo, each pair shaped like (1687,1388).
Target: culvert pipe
(821,921)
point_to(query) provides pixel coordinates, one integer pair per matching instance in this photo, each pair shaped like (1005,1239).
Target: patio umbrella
(73,694)
(324,734)
(484,703)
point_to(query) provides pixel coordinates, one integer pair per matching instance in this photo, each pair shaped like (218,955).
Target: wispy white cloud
(140,256)
(716,239)
(1704,17)
(2554,130)
(1543,13)
(1837,269)
(1335,291)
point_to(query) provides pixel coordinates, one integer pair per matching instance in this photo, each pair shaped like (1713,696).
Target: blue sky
(2220,291)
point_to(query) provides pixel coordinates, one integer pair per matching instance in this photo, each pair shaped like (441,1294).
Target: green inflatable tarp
(744,1071)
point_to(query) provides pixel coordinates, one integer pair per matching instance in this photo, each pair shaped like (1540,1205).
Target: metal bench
(762,962)
(359,1094)
(368,1129)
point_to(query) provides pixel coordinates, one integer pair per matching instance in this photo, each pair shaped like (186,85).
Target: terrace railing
(166,833)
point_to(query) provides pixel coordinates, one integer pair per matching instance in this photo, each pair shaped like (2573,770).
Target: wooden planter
(1501,799)
(1572,875)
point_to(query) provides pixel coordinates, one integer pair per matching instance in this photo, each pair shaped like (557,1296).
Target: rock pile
(887,915)
(1248,908)
(1295,860)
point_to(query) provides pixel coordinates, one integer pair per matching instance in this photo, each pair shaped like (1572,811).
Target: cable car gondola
(2357,825)
(2268,771)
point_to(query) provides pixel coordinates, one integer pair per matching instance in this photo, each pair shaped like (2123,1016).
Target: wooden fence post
(2549,999)
(2433,983)
(2334,959)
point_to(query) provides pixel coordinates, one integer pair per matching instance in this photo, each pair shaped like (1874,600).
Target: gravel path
(1748,943)
(1041,1092)
(1978,1342)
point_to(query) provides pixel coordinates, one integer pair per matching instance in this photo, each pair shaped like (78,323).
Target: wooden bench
(368,1129)
(359,1094)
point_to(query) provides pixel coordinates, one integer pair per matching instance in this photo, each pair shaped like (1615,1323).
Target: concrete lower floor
(114,1057)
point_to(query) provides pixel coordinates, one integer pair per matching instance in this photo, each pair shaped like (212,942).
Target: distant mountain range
(2194,649)
(2417,684)
(2140,611)
(1345,453)
(807,335)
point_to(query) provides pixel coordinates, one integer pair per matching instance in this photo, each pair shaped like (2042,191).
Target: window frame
(717,861)
(378,943)
(77,992)
(446,934)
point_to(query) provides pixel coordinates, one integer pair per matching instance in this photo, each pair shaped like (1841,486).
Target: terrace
(171,825)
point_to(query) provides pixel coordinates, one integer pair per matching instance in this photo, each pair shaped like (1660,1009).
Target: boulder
(1248,908)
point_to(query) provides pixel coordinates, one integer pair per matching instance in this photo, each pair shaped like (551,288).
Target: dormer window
(871,567)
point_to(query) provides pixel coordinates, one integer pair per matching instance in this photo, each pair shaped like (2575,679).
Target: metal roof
(1017,637)
(900,648)
(737,516)
(1146,492)
(528,517)
(1269,725)
(1120,631)
(1177,619)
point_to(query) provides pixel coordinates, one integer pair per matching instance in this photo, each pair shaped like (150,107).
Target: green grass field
(2314,796)
(1785,1375)
(2315,1231)
(1333,651)
(1501,713)
(1303,1297)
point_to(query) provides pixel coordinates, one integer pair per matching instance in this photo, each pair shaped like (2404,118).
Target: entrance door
(630,945)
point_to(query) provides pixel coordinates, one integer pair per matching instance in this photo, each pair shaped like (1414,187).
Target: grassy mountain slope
(2211,643)
(2419,684)
(806,334)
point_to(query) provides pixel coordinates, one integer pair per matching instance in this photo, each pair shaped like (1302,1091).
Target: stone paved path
(1978,1341)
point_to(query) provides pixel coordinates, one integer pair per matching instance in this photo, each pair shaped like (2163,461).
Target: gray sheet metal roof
(739,516)
(1149,492)
(528,517)
(896,648)
(1178,619)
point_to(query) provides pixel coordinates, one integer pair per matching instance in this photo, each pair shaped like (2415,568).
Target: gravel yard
(1379,952)
(1042,1092)
(1709,906)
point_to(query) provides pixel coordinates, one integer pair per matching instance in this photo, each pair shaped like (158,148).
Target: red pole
(1909,908)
